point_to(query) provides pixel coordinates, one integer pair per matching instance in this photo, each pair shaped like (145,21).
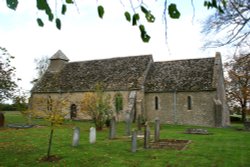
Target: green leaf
(50,15)
(144,36)
(173,11)
(12,4)
(69,1)
(221,10)
(128,16)
(42,4)
(100,11)
(136,17)
(150,18)
(40,22)
(64,9)
(144,10)
(142,28)
(58,23)
(214,3)
(224,3)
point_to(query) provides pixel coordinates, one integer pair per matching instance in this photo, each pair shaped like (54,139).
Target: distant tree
(42,64)
(19,103)
(7,75)
(97,104)
(238,83)
(133,14)
(6,107)
(229,26)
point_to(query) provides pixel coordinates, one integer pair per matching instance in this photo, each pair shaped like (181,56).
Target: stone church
(189,92)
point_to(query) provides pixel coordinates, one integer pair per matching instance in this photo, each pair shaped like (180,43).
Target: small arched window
(49,104)
(118,102)
(73,111)
(189,103)
(156,103)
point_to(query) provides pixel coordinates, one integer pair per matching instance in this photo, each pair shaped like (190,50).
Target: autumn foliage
(97,105)
(238,83)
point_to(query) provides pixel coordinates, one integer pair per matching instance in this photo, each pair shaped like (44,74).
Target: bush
(235,118)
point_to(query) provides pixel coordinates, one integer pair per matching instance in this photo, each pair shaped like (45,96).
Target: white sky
(84,36)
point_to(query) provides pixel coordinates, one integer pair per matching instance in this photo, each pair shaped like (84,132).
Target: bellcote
(57,61)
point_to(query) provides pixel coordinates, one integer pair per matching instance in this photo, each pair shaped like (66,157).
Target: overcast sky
(84,36)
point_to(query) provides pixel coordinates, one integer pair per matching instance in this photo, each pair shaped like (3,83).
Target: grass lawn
(25,147)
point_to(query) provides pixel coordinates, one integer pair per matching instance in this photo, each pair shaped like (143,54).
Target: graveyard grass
(25,147)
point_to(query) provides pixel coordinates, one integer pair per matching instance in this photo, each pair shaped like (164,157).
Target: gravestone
(146,136)
(128,124)
(157,129)
(76,137)
(92,135)
(139,122)
(247,125)
(197,131)
(134,142)
(112,130)
(1,119)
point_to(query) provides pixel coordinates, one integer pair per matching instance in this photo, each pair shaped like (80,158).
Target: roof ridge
(113,58)
(184,60)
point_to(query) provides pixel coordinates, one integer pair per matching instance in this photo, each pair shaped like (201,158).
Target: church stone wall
(38,102)
(173,108)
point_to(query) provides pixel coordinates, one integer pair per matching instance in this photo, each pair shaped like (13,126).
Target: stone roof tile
(125,73)
(180,75)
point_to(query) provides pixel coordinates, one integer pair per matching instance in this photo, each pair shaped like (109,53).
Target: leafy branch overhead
(133,17)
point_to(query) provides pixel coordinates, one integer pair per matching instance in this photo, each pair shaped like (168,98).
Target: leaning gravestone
(1,119)
(128,123)
(247,125)
(92,135)
(146,136)
(157,129)
(134,142)
(139,122)
(76,137)
(112,128)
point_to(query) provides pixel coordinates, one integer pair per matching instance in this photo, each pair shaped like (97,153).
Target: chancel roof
(181,75)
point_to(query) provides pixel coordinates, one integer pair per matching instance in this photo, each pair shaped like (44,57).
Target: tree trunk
(243,113)
(50,142)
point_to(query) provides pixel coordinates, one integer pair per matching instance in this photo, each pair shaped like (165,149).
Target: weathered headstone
(112,130)
(92,135)
(247,125)
(134,142)
(1,119)
(139,122)
(76,137)
(157,129)
(128,124)
(146,136)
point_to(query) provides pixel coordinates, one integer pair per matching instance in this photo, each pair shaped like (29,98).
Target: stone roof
(181,75)
(126,73)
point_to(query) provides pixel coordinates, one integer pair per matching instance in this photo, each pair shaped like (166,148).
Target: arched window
(49,104)
(156,103)
(189,103)
(118,102)
(73,111)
